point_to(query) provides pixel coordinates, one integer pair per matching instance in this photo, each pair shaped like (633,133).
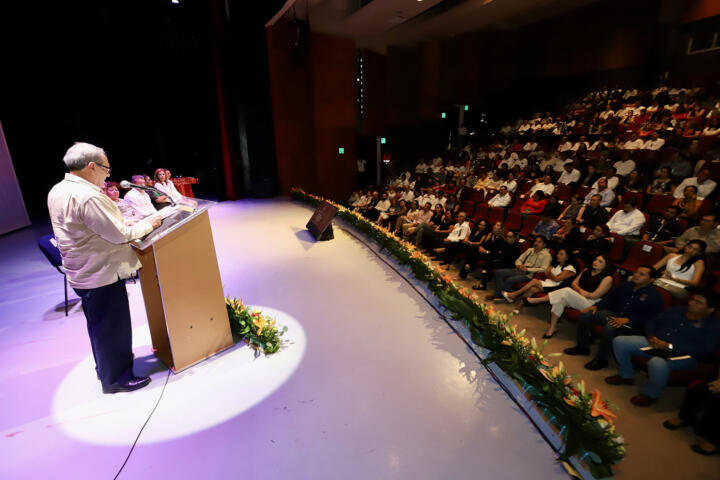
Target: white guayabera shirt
(91,234)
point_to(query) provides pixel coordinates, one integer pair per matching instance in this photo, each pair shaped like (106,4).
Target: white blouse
(556,270)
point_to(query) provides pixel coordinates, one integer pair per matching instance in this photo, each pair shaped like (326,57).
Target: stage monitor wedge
(320,224)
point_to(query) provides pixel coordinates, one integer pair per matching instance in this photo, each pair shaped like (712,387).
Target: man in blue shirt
(625,311)
(686,335)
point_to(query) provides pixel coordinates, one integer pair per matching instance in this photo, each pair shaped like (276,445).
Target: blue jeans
(506,278)
(659,369)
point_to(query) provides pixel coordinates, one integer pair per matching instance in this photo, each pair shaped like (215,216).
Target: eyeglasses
(104,166)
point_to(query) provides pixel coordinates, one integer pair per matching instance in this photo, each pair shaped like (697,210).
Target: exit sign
(341,150)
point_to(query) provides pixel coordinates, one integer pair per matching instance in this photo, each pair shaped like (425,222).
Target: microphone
(126,184)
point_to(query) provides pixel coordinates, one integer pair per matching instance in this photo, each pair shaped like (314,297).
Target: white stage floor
(372,384)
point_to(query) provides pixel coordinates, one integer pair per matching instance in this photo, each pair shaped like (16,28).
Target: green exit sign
(467,107)
(341,150)
(383,140)
(443,115)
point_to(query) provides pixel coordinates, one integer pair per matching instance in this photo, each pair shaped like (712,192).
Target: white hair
(80,154)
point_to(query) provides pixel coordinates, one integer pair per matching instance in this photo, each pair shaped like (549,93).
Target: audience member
(557,275)
(533,260)
(678,333)
(624,311)
(682,270)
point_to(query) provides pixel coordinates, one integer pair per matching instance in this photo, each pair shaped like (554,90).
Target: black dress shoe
(671,426)
(576,351)
(596,364)
(135,383)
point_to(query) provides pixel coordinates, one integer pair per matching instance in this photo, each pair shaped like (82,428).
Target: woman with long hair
(682,270)
(586,290)
(557,276)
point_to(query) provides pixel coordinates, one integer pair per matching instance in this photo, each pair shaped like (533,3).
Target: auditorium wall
(314,110)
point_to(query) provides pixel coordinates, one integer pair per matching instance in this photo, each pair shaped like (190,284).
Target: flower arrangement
(257,330)
(585,420)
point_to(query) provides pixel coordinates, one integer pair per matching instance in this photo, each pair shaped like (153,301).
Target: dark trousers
(584,332)
(107,312)
(701,408)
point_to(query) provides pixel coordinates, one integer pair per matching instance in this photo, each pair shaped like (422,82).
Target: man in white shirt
(381,207)
(654,142)
(139,199)
(93,240)
(628,221)
(502,199)
(579,143)
(530,146)
(565,145)
(421,167)
(607,112)
(570,175)
(598,144)
(624,166)
(546,186)
(510,183)
(704,184)
(408,195)
(460,231)
(634,143)
(611,179)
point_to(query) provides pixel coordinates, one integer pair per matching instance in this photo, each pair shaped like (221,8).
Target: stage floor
(372,384)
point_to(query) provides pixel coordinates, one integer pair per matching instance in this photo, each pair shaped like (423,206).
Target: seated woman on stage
(557,276)
(129,213)
(165,185)
(682,270)
(587,289)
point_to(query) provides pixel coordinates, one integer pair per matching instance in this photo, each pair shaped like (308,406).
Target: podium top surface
(173,219)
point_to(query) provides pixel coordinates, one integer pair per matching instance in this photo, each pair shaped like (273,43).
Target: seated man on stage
(686,335)
(140,200)
(93,240)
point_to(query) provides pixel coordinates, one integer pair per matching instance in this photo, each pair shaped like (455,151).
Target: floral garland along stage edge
(586,422)
(257,330)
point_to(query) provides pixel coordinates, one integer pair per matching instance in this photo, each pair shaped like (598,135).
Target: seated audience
(483,247)
(692,331)
(613,179)
(706,231)
(587,289)
(664,230)
(654,142)
(624,311)
(627,221)
(546,186)
(701,410)
(606,195)
(593,213)
(567,236)
(570,175)
(534,205)
(624,166)
(502,199)
(682,270)
(663,184)
(547,226)
(557,275)
(572,210)
(689,203)
(533,260)
(702,182)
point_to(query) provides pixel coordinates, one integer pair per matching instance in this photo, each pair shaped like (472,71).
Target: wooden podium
(183,294)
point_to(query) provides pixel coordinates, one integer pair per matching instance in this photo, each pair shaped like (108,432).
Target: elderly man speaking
(93,241)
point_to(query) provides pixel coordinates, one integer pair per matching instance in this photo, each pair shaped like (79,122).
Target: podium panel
(184,299)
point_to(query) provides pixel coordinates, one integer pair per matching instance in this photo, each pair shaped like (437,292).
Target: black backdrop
(137,78)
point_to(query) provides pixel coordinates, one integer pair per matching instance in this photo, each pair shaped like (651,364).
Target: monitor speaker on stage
(320,224)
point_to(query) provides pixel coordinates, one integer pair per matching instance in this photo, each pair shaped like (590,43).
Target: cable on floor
(143,427)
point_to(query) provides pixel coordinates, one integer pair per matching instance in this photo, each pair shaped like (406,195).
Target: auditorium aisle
(372,384)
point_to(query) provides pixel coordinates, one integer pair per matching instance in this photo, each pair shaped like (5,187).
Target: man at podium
(93,241)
